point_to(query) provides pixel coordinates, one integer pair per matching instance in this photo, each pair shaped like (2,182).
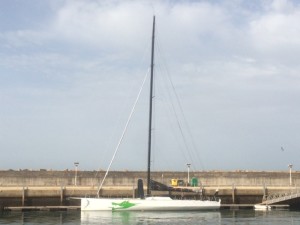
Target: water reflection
(141,218)
(40,217)
(251,217)
(222,217)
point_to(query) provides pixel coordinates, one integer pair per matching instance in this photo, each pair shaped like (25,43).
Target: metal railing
(282,196)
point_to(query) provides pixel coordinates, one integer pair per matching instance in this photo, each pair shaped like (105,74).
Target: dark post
(233,193)
(62,195)
(23,195)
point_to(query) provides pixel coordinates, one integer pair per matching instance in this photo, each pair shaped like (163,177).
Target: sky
(70,72)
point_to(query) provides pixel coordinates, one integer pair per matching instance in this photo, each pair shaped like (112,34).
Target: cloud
(118,25)
(276,30)
(234,64)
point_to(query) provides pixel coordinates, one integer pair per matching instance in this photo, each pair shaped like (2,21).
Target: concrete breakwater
(44,187)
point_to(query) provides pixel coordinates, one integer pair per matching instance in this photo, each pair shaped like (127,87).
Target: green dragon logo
(122,205)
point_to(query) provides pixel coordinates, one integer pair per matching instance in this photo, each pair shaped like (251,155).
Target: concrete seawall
(36,188)
(129,178)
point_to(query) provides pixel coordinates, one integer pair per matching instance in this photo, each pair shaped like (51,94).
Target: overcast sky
(71,70)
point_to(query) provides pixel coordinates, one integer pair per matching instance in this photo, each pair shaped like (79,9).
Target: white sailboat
(148,203)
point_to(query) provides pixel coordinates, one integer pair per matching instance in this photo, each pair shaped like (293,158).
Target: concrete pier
(55,188)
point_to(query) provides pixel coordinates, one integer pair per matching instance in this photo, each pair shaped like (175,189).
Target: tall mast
(150,109)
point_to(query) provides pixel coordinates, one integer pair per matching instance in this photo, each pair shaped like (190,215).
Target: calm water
(223,217)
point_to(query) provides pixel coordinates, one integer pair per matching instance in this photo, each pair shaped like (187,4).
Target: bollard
(23,195)
(233,193)
(265,193)
(62,190)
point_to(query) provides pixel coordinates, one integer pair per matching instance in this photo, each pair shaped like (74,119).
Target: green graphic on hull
(122,205)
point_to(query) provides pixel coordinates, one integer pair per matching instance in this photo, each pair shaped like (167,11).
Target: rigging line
(180,128)
(181,110)
(170,110)
(109,144)
(157,156)
(123,134)
(187,126)
(110,140)
(119,118)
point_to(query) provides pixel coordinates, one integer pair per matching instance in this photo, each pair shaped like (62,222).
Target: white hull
(148,204)
(262,207)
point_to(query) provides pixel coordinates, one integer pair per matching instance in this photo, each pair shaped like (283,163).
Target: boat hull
(262,207)
(148,204)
